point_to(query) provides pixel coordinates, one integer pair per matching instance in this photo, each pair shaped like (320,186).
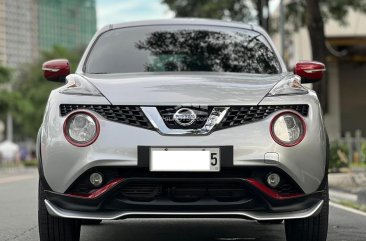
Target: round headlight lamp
(288,128)
(81,128)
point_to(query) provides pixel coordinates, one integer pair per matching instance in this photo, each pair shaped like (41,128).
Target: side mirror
(56,70)
(309,71)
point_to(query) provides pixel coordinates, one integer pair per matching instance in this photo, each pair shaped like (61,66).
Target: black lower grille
(287,188)
(241,115)
(130,115)
(141,191)
(183,191)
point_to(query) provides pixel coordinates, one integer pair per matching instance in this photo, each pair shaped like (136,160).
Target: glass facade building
(18,32)
(68,23)
(30,26)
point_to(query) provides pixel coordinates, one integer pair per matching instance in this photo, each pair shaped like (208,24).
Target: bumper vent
(130,115)
(167,113)
(241,115)
(141,191)
(183,192)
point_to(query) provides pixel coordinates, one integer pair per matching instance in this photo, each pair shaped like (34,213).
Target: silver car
(182,118)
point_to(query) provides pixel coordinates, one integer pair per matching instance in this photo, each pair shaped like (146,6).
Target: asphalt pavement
(18,221)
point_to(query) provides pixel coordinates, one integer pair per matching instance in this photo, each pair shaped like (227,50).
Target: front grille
(183,192)
(241,115)
(130,115)
(133,115)
(287,188)
(141,191)
(167,113)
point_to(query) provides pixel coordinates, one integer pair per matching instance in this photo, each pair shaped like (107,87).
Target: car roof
(183,21)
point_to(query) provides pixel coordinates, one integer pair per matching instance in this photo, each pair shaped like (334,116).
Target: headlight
(81,129)
(288,86)
(288,128)
(79,86)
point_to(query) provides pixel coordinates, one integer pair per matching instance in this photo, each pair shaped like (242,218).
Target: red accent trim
(278,141)
(269,192)
(99,192)
(70,140)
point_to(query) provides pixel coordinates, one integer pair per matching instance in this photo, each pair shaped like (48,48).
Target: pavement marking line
(16,178)
(355,211)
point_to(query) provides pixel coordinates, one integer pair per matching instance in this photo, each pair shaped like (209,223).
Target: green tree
(5,75)
(237,10)
(7,98)
(34,90)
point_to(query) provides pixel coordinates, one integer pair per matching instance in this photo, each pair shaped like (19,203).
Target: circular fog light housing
(81,129)
(273,180)
(96,179)
(288,129)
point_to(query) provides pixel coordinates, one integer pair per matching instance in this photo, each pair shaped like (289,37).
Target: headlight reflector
(289,86)
(81,129)
(288,128)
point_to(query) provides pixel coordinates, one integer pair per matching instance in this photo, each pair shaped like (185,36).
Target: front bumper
(231,197)
(118,145)
(114,215)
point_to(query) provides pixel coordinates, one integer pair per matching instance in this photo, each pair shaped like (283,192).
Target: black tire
(310,229)
(54,228)
(90,222)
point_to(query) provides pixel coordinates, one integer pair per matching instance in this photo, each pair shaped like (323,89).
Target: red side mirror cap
(56,70)
(310,71)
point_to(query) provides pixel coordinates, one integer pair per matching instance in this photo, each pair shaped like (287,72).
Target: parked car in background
(182,118)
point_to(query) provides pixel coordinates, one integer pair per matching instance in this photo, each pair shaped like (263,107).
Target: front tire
(55,228)
(310,229)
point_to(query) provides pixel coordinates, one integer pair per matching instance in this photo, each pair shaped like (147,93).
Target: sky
(117,11)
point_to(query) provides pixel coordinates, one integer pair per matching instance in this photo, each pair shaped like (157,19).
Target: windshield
(175,48)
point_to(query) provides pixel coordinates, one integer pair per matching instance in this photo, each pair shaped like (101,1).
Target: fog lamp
(273,180)
(96,179)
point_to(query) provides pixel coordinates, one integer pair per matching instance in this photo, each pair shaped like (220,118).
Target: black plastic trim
(110,202)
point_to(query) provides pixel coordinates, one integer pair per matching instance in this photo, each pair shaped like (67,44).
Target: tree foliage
(7,99)
(5,75)
(338,10)
(237,10)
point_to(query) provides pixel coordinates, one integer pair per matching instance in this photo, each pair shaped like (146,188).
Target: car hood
(184,89)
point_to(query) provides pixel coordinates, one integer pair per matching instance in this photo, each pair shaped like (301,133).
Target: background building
(18,31)
(29,26)
(68,23)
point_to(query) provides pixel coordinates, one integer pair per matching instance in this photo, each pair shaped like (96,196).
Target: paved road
(18,222)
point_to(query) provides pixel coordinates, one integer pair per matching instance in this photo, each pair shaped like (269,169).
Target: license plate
(184,159)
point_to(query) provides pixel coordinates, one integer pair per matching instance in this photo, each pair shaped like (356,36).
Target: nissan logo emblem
(184,117)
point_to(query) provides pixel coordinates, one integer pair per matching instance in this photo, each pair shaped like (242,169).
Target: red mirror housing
(309,71)
(56,70)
